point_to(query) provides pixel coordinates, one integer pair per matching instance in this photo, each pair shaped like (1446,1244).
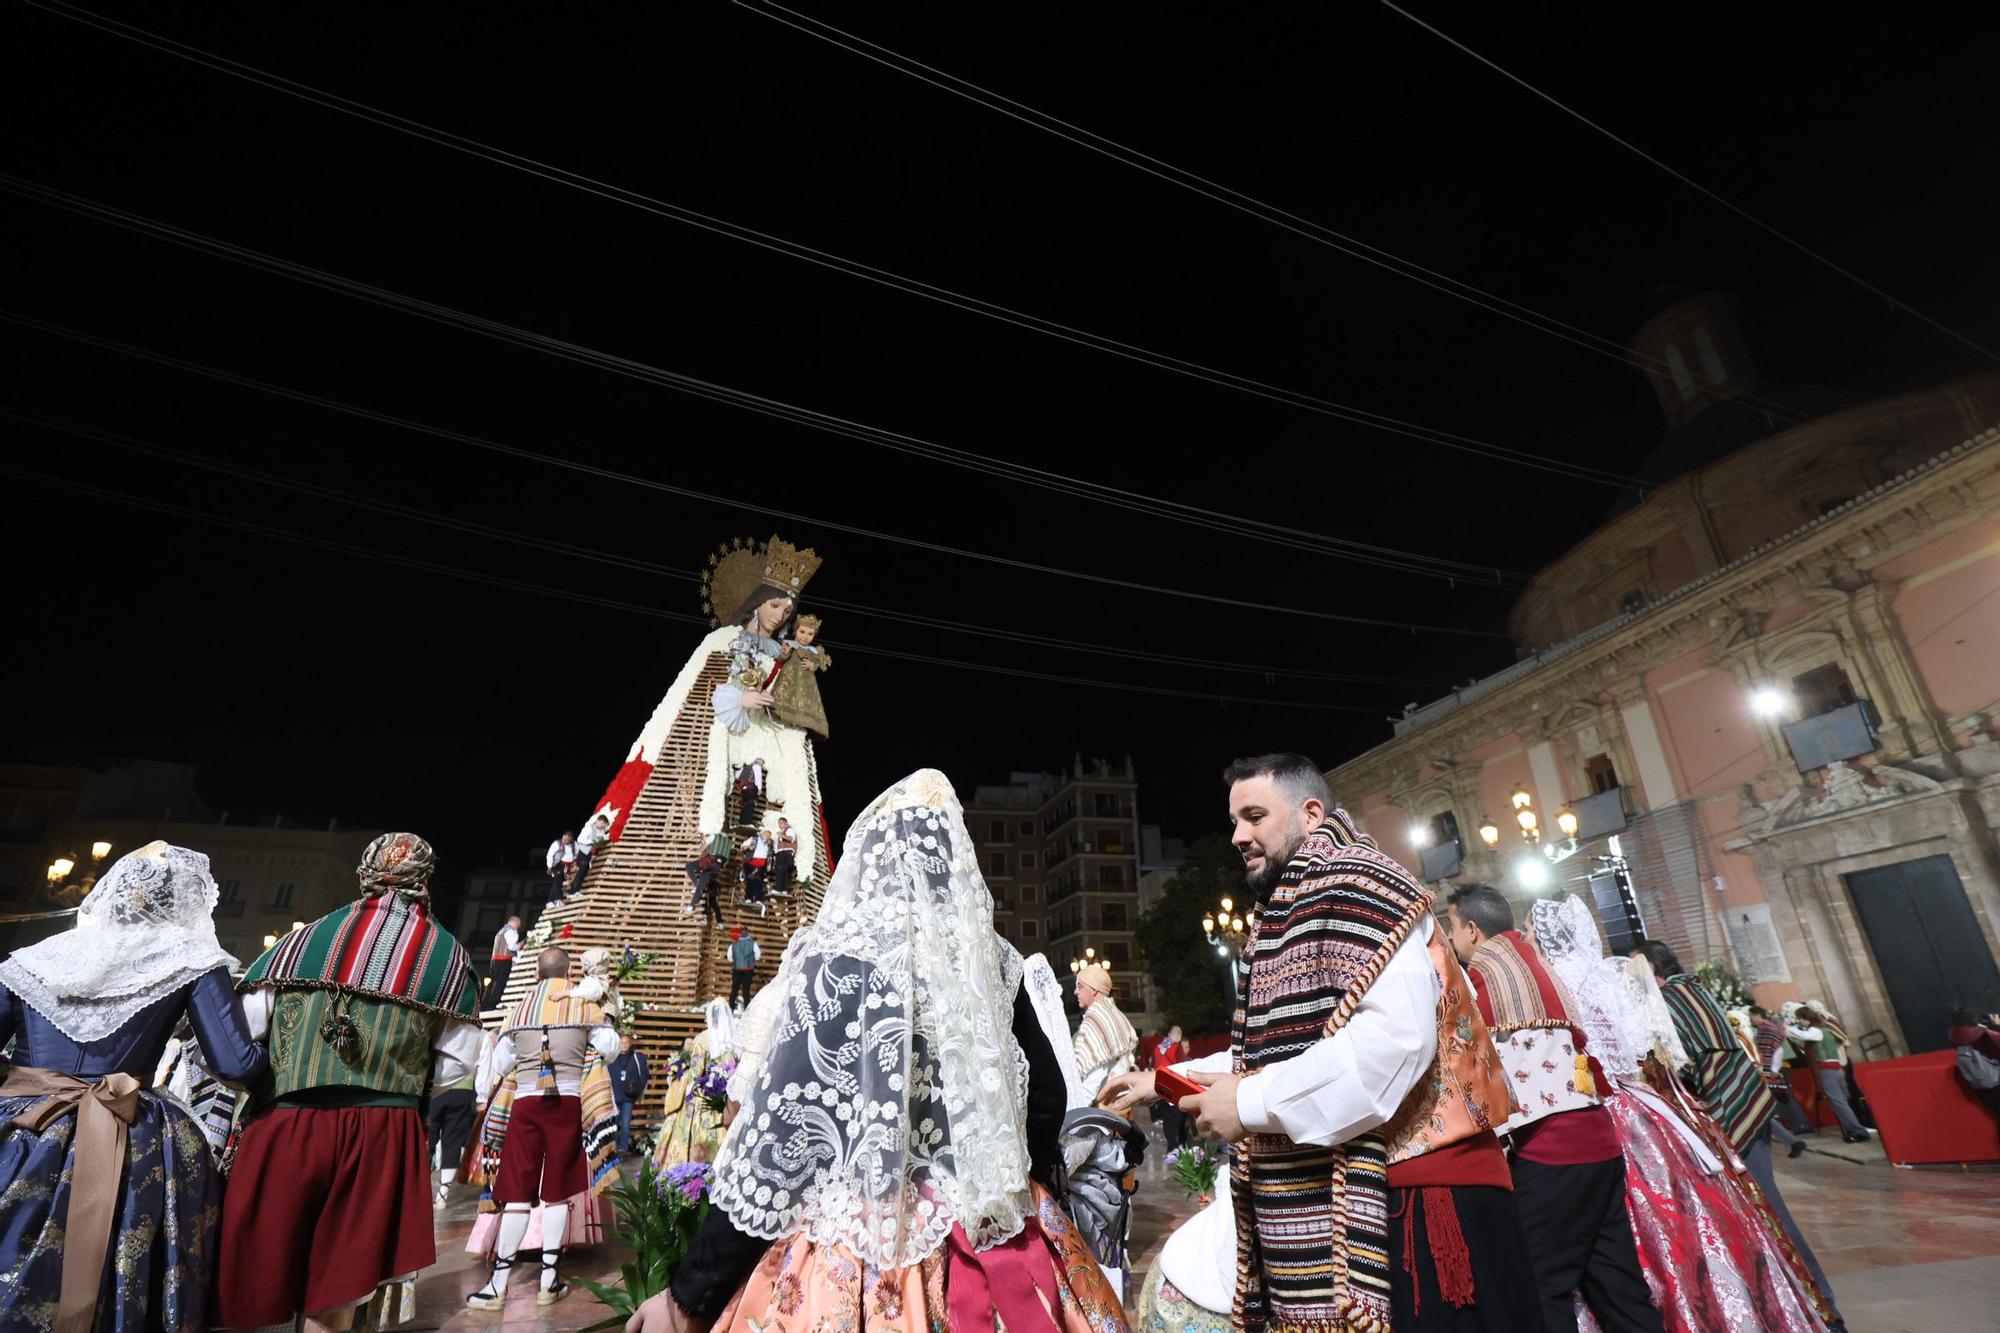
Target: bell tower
(1691,350)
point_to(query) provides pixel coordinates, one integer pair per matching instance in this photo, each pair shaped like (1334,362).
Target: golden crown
(808,622)
(741,567)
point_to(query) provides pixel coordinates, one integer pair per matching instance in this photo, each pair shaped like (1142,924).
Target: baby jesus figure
(795,693)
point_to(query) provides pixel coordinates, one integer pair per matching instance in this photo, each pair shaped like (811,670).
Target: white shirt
(592,838)
(507,940)
(499,1062)
(1353,1081)
(454,1054)
(560,851)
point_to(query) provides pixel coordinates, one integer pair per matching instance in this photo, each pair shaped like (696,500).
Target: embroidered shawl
(553,1004)
(386,946)
(1526,1008)
(1105,1044)
(1312,1237)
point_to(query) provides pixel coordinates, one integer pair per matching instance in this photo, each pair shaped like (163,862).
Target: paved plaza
(1906,1250)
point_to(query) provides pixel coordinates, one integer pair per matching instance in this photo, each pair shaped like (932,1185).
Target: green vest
(390,1065)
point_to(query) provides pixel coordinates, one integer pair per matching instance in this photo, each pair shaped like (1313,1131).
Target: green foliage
(658,1216)
(1196,990)
(1195,1169)
(1720,980)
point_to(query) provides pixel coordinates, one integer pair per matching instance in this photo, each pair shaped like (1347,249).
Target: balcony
(1443,859)
(1601,814)
(1847,732)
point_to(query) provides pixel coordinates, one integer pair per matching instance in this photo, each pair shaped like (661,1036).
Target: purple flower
(690,1180)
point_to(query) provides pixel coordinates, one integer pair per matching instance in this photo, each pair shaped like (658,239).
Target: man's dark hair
(1759,1011)
(1298,777)
(1665,963)
(1484,907)
(1964,1018)
(552,963)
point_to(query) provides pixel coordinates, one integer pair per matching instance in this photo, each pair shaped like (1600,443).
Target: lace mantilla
(892,1101)
(146,930)
(1047,996)
(1617,1005)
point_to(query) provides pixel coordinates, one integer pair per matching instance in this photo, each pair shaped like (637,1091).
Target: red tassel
(1448,1252)
(1410,1251)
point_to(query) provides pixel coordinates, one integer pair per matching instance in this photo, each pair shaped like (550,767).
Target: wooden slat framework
(637,893)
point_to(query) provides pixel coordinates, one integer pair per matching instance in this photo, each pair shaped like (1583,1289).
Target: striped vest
(1527,1008)
(392,1057)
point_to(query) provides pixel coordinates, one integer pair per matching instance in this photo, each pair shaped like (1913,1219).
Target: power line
(1338,548)
(1351,246)
(685,492)
(608,603)
(1693,184)
(825,259)
(409,514)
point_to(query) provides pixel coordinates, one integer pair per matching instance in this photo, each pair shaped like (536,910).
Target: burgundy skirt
(542,1160)
(323,1205)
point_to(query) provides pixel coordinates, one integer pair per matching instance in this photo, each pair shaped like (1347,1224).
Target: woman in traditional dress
(691,1126)
(1193,1283)
(1712,1254)
(890,1170)
(109,1199)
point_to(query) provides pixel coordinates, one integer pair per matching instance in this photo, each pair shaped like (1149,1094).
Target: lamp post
(58,875)
(1534,873)
(1226,930)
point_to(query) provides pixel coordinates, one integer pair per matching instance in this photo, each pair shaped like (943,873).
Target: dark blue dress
(170,1198)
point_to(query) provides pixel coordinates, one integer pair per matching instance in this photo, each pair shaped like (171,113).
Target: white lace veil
(1621,1020)
(146,929)
(1046,993)
(892,1102)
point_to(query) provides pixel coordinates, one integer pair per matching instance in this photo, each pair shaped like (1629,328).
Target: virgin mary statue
(716,720)
(718,783)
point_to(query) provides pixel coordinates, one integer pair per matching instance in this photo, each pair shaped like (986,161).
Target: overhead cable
(687,492)
(411,514)
(838,263)
(1351,246)
(1380,557)
(613,604)
(1695,185)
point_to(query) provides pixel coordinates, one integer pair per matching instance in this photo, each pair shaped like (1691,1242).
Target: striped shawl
(1725,1074)
(1312,1234)
(386,947)
(552,1004)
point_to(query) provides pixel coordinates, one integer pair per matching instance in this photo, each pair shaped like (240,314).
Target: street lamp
(1532,873)
(59,869)
(1489,832)
(1089,957)
(1769,701)
(1226,929)
(99,850)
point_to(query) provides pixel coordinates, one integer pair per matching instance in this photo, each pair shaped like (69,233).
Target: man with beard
(1361,1088)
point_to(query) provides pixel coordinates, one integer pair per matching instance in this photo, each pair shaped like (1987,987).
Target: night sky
(320,683)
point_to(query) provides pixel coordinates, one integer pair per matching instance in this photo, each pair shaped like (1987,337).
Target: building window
(229,901)
(1106,806)
(1027,860)
(1599,772)
(1444,828)
(1111,877)
(996,831)
(1113,916)
(283,897)
(996,863)
(1026,828)
(1029,930)
(1822,690)
(1115,954)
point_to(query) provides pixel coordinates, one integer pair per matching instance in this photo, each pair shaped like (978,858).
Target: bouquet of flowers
(1195,1169)
(659,1215)
(1720,980)
(714,1084)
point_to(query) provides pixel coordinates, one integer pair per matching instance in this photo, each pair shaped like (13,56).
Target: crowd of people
(1449,1120)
